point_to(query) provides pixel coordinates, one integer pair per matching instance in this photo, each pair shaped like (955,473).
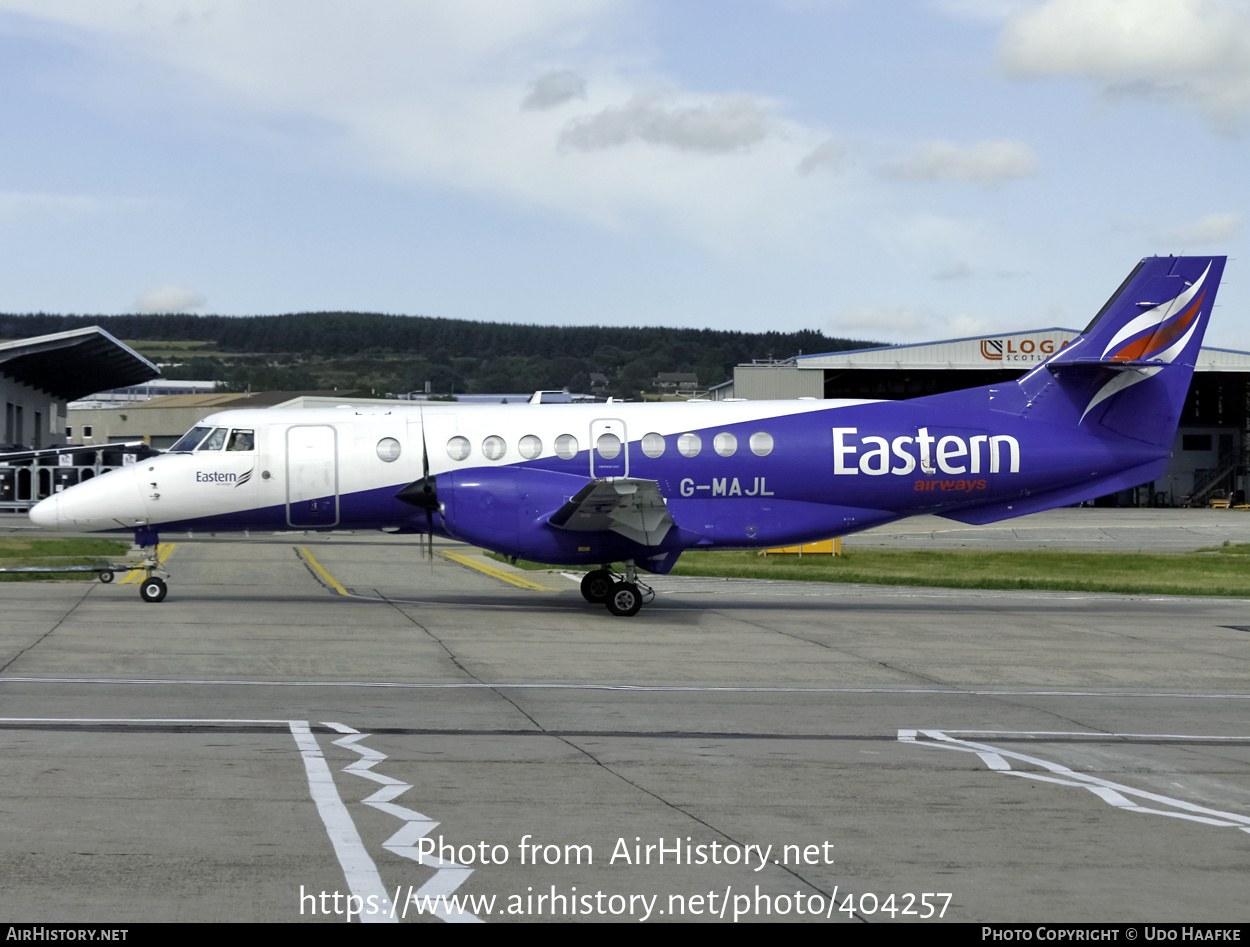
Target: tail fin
(1145,339)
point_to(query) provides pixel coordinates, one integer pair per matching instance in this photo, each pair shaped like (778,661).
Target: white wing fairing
(634,509)
(639,483)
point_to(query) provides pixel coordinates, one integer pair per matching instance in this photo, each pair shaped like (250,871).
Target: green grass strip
(1223,570)
(30,551)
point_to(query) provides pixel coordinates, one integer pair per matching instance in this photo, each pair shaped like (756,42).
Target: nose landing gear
(152,588)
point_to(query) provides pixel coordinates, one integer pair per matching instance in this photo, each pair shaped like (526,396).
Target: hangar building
(38,376)
(1210,457)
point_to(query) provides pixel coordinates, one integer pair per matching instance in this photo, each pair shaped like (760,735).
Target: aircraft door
(312,476)
(609,448)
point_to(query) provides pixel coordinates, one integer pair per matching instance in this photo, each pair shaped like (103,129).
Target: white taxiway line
(358,868)
(1112,793)
(649,688)
(448,875)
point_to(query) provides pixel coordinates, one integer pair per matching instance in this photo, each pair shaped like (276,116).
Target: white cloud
(168,299)
(15,204)
(994,10)
(958,271)
(554,88)
(827,156)
(882,321)
(1213,228)
(904,323)
(428,94)
(1196,52)
(983,162)
(963,324)
(729,123)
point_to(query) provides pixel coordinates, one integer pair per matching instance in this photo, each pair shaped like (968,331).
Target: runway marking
(332,582)
(358,868)
(448,875)
(655,688)
(496,573)
(1116,794)
(163,551)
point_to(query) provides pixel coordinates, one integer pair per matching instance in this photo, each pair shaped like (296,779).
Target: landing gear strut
(622,595)
(152,588)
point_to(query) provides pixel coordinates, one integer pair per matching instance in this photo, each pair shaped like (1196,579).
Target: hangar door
(312,476)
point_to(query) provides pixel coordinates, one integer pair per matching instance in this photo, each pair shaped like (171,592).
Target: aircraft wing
(631,508)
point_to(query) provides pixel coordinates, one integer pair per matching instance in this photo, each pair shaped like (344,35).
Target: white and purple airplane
(639,483)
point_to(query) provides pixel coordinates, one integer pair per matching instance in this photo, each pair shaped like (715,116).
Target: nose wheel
(153,589)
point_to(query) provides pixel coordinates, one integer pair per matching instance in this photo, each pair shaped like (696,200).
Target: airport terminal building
(1210,457)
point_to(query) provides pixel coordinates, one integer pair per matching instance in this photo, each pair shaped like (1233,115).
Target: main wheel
(153,589)
(625,599)
(596,586)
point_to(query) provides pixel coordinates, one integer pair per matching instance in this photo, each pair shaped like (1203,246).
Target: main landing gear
(622,596)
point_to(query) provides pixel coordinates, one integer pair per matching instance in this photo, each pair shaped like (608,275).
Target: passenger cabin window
(689,445)
(608,446)
(458,448)
(242,440)
(566,446)
(761,443)
(388,450)
(725,444)
(652,445)
(493,447)
(530,446)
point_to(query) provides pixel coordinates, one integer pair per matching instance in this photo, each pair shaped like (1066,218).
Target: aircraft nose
(45,512)
(109,501)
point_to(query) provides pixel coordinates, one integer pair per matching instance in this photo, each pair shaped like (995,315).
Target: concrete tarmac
(302,711)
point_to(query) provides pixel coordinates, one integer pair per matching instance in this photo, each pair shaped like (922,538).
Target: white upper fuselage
(299,456)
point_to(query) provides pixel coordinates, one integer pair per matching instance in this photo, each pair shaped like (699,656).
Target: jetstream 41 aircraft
(640,483)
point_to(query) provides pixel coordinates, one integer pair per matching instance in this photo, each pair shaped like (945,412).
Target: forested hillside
(382,353)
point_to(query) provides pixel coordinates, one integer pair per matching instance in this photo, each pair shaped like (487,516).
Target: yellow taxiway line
(329,579)
(162,553)
(496,573)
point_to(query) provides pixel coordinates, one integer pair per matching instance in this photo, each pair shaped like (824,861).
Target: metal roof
(1002,351)
(68,365)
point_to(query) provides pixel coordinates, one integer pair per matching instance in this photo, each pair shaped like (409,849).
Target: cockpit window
(191,439)
(242,440)
(214,441)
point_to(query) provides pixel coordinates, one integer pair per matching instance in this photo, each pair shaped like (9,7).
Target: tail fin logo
(1153,334)
(1157,336)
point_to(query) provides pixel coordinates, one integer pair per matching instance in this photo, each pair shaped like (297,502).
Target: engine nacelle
(506,509)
